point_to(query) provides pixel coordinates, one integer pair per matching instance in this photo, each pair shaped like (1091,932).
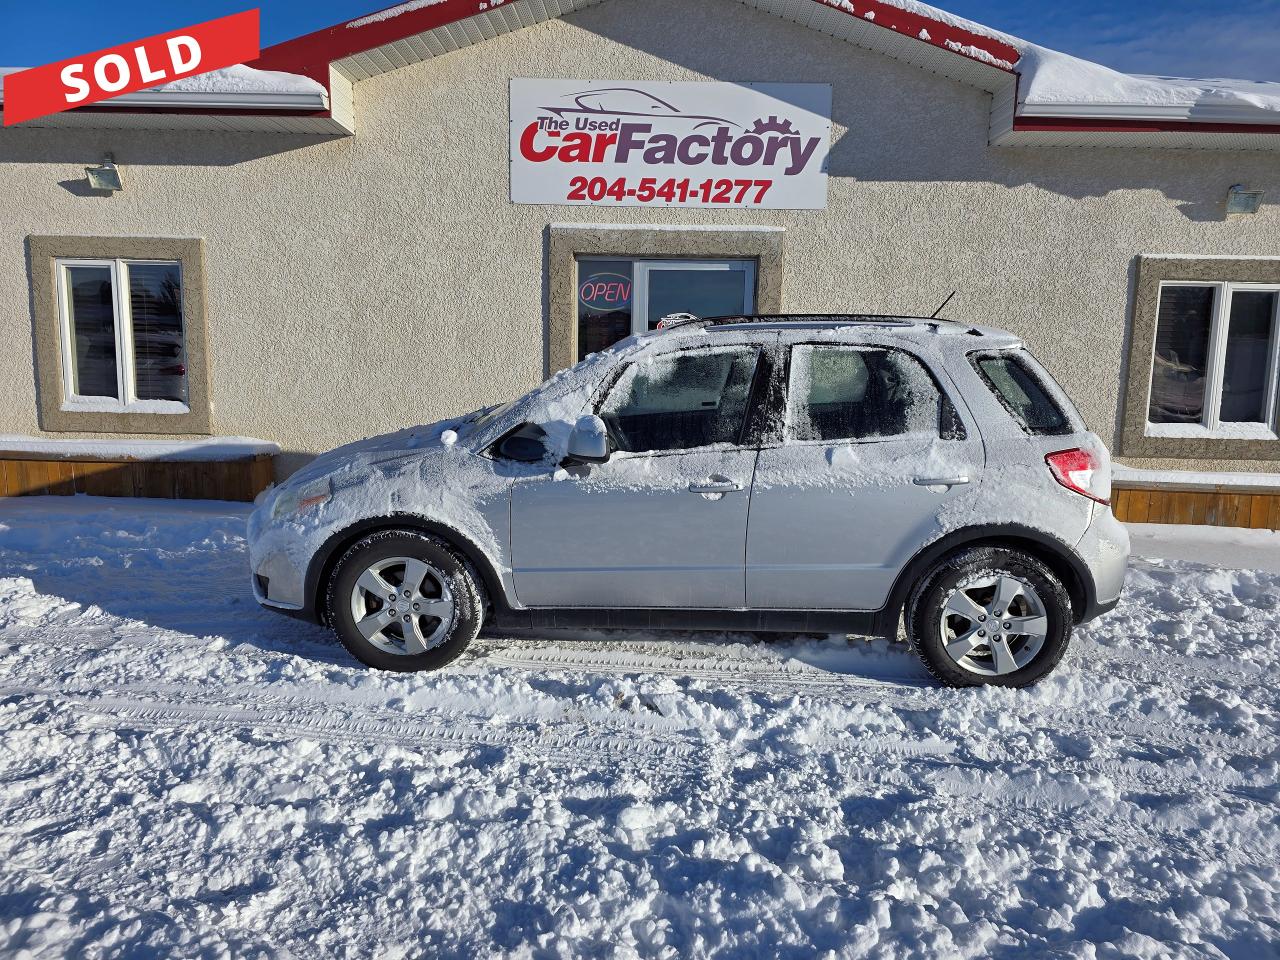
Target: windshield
(490,414)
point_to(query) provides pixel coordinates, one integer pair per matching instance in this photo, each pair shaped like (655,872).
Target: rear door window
(680,401)
(1018,387)
(856,393)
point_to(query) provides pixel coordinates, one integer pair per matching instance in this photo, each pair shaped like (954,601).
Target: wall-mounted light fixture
(1241,201)
(105,176)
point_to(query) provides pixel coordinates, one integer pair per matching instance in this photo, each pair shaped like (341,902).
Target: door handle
(939,481)
(715,485)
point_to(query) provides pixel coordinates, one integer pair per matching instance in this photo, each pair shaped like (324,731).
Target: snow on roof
(242,79)
(1051,84)
(390,12)
(204,449)
(233,81)
(1051,79)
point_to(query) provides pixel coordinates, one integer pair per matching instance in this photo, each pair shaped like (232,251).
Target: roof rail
(834,318)
(676,321)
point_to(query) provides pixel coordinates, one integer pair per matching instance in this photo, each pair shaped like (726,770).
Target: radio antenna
(942,306)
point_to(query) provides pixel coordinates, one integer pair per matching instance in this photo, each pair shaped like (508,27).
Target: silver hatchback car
(788,473)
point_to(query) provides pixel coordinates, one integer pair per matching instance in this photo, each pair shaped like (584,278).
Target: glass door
(704,288)
(618,296)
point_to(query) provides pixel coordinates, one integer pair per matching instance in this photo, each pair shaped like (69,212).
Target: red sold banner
(131,66)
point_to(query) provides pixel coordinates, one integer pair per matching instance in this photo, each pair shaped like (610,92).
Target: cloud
(1209,46)
(1239,39)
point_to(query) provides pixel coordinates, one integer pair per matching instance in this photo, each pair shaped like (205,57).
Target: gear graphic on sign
(773,125)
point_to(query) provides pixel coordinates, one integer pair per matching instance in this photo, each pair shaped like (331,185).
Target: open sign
(605,291)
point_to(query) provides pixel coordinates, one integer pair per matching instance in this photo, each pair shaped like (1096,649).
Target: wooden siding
(224,480)
(1216,508)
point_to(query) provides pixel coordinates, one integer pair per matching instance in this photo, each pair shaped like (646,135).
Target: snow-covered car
(809,474)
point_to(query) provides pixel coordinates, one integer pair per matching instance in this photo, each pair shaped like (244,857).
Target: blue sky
(1225,39)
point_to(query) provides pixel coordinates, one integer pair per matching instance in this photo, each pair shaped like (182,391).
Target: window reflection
(159,351)
(93,331)
(1184,319)
(1244,374)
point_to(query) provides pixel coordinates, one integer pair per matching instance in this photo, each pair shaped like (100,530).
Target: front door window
(681,401)
(619,297)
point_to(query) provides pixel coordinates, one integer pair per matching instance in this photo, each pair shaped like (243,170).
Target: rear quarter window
(1018,387)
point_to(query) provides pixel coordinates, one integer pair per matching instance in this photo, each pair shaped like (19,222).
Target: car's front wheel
(989,615)
(404,600)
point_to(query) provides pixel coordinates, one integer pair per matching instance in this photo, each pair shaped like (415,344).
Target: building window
(120,334)
(618,297)
(123,340)
(737,269)
(1214,372)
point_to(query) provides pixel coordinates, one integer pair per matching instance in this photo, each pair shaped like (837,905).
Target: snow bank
(207,449)
(183,774)
(1220,546)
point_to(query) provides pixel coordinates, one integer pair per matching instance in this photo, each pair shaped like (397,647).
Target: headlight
(304,498)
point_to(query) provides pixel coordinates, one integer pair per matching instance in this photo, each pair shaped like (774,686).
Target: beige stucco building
(357,264)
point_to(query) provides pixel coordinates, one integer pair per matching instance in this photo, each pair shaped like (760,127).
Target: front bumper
(278,582)
(278,556)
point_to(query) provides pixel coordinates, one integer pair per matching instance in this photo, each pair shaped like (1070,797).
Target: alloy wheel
(403,605)
(993,624)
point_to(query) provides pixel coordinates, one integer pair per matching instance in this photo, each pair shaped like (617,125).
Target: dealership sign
(644,143)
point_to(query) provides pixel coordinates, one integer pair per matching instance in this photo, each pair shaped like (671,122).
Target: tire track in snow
(565,743)
(906,694)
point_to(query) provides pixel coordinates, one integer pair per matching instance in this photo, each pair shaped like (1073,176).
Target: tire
(445,604)
(969,587)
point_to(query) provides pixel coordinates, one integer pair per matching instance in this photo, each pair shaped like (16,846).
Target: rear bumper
(1097,609)
(1104,548)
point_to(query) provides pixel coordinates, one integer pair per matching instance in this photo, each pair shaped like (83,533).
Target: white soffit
(167,120)
(454,36)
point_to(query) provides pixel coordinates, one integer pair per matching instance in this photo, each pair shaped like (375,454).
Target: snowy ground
(182,774)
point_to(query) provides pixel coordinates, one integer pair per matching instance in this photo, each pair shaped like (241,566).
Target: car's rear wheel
(989,615)
(404,600)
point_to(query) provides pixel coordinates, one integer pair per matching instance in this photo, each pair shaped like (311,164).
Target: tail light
(1075,470)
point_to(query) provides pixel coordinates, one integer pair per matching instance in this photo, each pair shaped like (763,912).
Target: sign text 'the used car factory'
(638,143)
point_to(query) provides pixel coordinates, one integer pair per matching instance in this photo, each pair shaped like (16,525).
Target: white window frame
(1210,424)
(126,399)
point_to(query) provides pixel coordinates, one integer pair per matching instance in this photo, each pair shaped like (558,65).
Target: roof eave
(1192,113)
(232,102)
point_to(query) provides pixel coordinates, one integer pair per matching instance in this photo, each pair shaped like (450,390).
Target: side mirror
(589,441)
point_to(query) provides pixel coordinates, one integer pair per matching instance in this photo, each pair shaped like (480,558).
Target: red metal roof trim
(312,53)
(1094,125)
(944,36)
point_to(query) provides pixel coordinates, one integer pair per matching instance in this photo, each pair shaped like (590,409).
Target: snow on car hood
(385,447)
